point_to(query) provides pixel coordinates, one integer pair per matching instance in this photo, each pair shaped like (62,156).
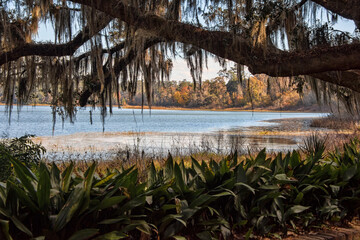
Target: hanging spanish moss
(94,56)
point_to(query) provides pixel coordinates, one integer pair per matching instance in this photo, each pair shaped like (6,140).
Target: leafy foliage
(197,200)
(23,149)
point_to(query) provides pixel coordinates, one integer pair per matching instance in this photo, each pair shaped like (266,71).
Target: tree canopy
(104,45)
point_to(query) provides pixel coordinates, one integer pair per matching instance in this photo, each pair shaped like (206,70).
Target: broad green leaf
(43,188)
(39,238)
(55,176)
(89,177)
(284,179)
(349,173)
(25,175)
(23,197)
(84,234)
(246,186)
(115,220)
(222,194)
(115,235)
(198,168)
(169,167)
(298,198)
(133,203)
(204,235)
(105,180)
(67,178)
(297,209)
(179,237)
(152,174)
(20,226)
(179,178)
(109,202)
(71,206)
(198,202)
(5,229)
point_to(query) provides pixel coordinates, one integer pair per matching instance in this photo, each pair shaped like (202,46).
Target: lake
(154,132)
(38,121)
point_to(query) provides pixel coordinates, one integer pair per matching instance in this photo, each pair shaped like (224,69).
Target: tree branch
(346,8)
(236,48)
(50,49)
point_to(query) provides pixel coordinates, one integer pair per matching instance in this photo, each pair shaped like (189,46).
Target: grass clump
(259,195)
(336,123)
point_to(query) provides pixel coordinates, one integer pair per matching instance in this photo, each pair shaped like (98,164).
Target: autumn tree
(104,45)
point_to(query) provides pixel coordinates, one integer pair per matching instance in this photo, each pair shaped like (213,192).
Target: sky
(180,70)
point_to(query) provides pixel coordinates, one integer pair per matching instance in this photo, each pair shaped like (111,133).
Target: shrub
(260,195)
(23,149)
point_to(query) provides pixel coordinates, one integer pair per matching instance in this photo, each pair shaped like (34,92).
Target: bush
(23,149)
(198,200)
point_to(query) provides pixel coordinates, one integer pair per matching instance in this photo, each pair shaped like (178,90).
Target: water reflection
(112,145)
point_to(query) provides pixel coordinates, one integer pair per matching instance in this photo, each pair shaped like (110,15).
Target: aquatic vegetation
(258,195)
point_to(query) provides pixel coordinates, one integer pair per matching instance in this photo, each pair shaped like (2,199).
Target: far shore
(235,109)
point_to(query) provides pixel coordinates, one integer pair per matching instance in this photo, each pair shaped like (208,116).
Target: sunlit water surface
(166,130)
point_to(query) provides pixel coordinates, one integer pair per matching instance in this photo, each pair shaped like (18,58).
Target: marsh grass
(336,122)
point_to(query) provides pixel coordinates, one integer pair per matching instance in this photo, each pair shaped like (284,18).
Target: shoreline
(234,109)
(285,135)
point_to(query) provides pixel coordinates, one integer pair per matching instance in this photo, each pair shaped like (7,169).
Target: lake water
(38,121)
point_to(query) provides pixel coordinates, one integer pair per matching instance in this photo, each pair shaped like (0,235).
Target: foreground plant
(197,200)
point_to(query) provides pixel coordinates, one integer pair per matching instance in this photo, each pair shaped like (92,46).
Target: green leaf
(179,237)
(43,188)
(222,194)
(284,179)
(133,203)
(349,173)
(67,177)
(84,234)
(115,235)
(298,198)
(198,202)
(179,178)
(198,168)
(176,217)
(23,197)
(71,206)
(105,180)
(246,186)
(5,229)
(20,226)
(25,176)
(55,176)
(114,220)
(152,174)
(169,167)
(204,235)
(89,177)
(109,202)
(296,209)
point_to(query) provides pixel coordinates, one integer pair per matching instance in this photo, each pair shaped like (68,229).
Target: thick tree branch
(349,79)
(236,48)
(346,8)
(50,49)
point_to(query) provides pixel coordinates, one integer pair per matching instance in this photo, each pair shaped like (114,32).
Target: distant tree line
(226,91)
(223,91)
